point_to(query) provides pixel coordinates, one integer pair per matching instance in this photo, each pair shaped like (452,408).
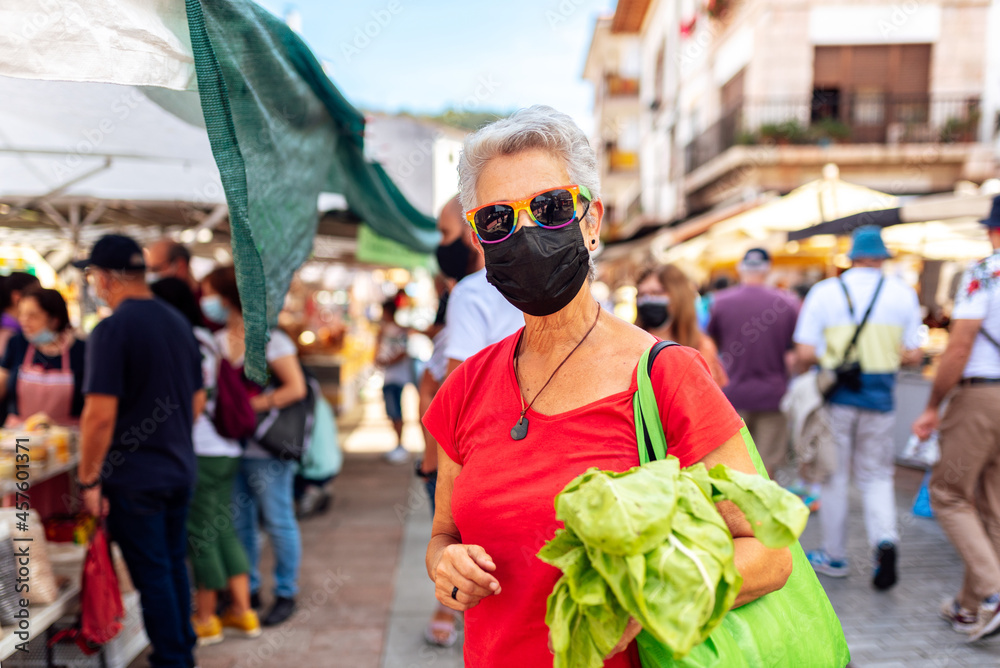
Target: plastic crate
(62,655)
(118,653)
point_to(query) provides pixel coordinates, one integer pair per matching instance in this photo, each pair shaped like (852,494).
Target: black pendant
(520,430)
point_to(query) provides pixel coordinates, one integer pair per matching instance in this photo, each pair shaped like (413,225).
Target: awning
(921,209)
(766,225)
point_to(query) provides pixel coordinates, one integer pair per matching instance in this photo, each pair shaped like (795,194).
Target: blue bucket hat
(867,244)
(994,219)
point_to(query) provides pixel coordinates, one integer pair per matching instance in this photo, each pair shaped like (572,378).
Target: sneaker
(315,501)
(989,619)
(209,632)
(885,566)
(822,563)
(247,624)
(282,609)
(398,455)
(961,620)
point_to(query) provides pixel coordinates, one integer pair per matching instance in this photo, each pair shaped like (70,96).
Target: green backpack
(794,627)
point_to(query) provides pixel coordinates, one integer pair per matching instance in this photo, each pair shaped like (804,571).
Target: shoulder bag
(848,373)
(794,627)
(285,432)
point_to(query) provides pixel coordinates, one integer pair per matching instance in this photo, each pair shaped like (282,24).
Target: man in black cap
(752,325)
(143,387)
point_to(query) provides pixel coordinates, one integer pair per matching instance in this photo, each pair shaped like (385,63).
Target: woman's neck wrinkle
(556,333)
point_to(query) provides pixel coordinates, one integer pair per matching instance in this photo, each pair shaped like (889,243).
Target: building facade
(612,66)
(738,97)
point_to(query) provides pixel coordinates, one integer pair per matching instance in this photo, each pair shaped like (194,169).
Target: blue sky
(394,55)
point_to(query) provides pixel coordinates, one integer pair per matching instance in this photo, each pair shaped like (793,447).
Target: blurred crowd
(190,462)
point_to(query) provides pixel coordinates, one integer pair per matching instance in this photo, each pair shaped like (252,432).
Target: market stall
(209,122)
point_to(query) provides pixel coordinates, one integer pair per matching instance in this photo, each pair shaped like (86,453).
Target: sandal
(442,632)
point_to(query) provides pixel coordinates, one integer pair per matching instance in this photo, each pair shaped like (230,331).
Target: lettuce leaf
(621,513)
(650,543)
(776,516)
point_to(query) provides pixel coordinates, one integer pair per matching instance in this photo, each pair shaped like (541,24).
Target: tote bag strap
(648,428)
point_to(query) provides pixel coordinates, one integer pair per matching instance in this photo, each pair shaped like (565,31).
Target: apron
(48,391)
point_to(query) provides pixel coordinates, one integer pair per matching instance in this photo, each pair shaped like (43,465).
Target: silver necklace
(520,428)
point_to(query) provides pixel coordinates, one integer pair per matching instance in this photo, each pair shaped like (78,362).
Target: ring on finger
(454,593)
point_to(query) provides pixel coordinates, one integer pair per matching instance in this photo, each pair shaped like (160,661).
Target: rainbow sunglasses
(551,208)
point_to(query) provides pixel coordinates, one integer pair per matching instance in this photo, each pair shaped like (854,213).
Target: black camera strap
(986,335)
(864,320)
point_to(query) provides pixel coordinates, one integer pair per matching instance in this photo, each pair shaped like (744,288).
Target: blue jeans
(430,484)
(264,487)
(392,395)
(149,526)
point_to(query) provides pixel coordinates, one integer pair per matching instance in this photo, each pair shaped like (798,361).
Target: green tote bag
(794,627)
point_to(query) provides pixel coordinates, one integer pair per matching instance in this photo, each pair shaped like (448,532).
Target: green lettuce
(621,513)
(650,544)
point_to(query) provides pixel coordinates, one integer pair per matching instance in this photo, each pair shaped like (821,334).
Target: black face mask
(652,312)
(453,259)
(539,270)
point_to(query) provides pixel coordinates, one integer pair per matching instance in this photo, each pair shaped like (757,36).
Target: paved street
(366,598)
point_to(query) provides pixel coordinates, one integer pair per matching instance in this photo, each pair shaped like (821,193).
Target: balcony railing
(832,118)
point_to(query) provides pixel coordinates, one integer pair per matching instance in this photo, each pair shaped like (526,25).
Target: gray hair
(537,127)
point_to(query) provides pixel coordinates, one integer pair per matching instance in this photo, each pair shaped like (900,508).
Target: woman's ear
(592,227)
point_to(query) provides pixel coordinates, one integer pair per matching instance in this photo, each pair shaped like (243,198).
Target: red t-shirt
(503,498)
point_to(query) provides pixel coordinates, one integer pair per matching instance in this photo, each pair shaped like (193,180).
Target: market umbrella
(918,210)
(766,225)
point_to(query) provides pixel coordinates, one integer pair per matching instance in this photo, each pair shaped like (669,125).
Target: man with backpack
(965,484)
(861,327)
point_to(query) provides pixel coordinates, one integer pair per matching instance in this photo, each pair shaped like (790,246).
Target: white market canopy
(766,225)
(280,132)
(74,153)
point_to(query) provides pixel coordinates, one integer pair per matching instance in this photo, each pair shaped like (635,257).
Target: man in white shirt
(862,413)
(965,484)
(477,316)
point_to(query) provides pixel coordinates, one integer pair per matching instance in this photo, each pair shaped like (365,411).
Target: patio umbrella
(918,210)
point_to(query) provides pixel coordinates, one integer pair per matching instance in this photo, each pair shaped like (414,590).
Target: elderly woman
(516,422)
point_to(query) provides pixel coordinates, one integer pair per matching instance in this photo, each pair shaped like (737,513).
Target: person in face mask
(42,368)
(665,307)
(521,418)
(275,501)
(476,316)
(168,259)
(652,306)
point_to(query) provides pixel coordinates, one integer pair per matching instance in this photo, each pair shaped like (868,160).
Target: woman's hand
(763,570)
(261,403)
(632,629)
(467,567)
